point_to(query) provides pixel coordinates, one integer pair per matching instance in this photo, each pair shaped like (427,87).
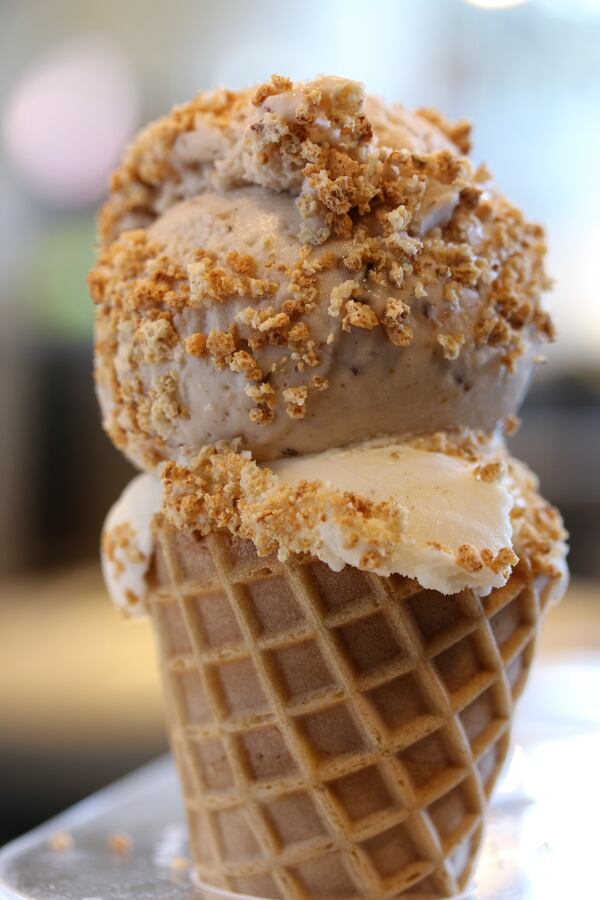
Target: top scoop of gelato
(302,267)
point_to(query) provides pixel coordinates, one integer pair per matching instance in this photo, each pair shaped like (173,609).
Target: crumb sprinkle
(61,841)
(119,843)
(451,344)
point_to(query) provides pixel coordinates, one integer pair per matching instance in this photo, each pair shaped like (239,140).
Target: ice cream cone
(316,320)
(338,735)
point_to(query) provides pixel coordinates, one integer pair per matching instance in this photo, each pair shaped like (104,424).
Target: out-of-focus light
(572,9)
(495,4)
(67,119)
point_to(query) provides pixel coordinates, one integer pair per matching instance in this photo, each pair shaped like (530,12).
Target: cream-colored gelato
(449,519)
(446,506)
(453,512)
(127,543)
(462,516)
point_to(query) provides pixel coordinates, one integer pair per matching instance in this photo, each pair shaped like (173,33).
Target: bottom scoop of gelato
(452,512)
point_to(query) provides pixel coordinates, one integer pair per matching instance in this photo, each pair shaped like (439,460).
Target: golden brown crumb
(221,346)
(492,471)
(61,841)
(244,362)
(264,397)
(340,295)
(360,315)
(459,133)
(370,560)
(274,322)
(482,173)
(512,425)
(502,562)
(295,398)
(468,558)
(195,344)
(299,332)
(451,293)
(537,525)
(464,443)
(241,263)
(437,545)
(209,281)
(394,322)
(396,274)
(451,344)
(165,405)
(119,843)
(277,85)
(398,220)
(118,546)
(261,414)
(157,338)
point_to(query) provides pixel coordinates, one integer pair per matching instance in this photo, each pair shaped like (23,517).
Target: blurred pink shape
(66,121)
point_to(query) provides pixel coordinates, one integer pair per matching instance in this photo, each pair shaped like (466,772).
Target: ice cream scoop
(312,270)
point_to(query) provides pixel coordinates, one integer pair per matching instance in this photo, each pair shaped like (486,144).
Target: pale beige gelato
(313,270)
(373,386)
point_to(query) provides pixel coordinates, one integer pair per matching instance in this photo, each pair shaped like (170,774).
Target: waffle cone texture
(337,735)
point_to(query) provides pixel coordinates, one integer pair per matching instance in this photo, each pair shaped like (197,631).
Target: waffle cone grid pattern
(337,735)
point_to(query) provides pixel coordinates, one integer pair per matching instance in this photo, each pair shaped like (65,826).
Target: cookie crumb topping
(225,489)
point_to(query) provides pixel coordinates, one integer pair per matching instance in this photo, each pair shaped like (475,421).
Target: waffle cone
(337,735)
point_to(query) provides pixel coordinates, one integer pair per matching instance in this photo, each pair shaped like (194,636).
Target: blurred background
(78,694)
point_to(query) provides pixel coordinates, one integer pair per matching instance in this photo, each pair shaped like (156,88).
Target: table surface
(69,665)
(128,842)
(91,671)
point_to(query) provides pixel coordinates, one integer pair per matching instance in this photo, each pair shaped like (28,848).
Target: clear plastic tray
(128,842)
